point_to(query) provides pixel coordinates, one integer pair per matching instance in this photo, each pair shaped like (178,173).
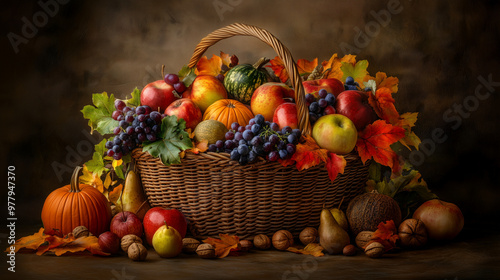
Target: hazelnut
(412,233)
(308,235)
(205,251)
(137,252)
(81,231)
(349,250)
(282,239)
(363,238)
(374,250)
(262,242)
(246,245)
(128,240)
(189,245)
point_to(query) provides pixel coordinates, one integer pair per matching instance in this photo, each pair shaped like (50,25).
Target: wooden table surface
(475,254)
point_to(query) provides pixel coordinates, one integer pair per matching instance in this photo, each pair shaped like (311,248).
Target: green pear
(340,217)
(332,237)
(132,198)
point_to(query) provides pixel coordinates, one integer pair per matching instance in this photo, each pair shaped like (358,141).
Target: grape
(147,130)
(281,145)
(350,87)
(256,128)
(322,93)
(273,156)
(267,147)
(141,118)
(140,110)
(116,130)
(123,124)
(349,81)
(234,154)
(242,142)
(251,121)
(243,159)
(143,125)
(109,145)
(322,103)
(180,87)
(129,118)
(241,129)
(248,127)
(259,119)
(290,148)
(292,139)
(115,114)
(219,144)
(274,126)
(238,136)
(229,144)
(330,98)
(286,130)
(110,153)
(139,129)
(283,154)
(313,117)
(212,148)
(119,104)
(116,148)
(155,116)
(297,133)
(274,139)
(171,79)
(248,135)
(118,156)
(256,141)
(155,129)
(150,122)
(252,156)
(243,150)
(235,126)
(141,136)
(229,135)
(314,107)
(310,98)
(147,109)
(120,118)
(151,137)
(124,136)
(128,109)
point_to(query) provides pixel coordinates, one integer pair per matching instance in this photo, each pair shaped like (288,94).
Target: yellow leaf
(313,249)
(358,71)
(410,140)
(114,195)
(332,66)
(306,66)
(211,67)
(92,179)
(29,242)
(117,163)
(389,82)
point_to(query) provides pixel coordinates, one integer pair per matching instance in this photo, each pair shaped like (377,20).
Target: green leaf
(173,140)
(99,115)
(101,147)
(96,164)
(135,100)
(357,72)
(187,75)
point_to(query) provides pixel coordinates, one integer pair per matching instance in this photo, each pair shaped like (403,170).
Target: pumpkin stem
(261,62)
(75,186)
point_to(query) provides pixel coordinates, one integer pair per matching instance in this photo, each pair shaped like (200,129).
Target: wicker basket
(218,195)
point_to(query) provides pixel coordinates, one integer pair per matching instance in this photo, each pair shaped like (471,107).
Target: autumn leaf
(52,241)
(313,249)
(95,249)
(114,195)
(357,71)
(211,67)
(29,242)
(278,68)
(382,80)
(53,231)
(286,162)
(407,121)
(335,164)
(224,245)
(386,234)
(92,179)
(375,141)
(75,245)
(305,66)
(383,104)
(199,147)
(309,154)
(332,66)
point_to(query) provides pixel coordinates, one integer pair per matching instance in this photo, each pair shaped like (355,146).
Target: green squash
(242,80)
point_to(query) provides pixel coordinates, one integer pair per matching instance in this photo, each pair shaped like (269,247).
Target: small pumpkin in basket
(76,205)
(228,111)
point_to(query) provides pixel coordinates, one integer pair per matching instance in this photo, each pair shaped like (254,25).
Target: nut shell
(349,250)
(81,231)
(137,252)
(189,245)
(412,233)
(262,242)
(282,239)
(308,235)
(128,240)
(374,250)
(246,245)
(363,238)
(205,251)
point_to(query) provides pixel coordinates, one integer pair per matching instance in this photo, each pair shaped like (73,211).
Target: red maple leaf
(305,66)
(335,164)
(279,69)
(375,142)
(383,104)
(386,234)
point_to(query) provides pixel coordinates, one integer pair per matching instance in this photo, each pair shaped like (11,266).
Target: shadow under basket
(217,195)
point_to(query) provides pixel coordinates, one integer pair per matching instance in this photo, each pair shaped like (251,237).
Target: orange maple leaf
(382,80)
(53,241)
(332,66)
(383,104)
(29,242)
(313,249)
(75,245)
(200,147)
(114,195)
(375,142)
(386,234)
(309,154)
(335,164)
(224,245)
(211,67)
(279,69)
(305,66)
(407,121)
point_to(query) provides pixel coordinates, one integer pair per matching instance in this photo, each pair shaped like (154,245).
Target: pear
(132,197)
(340,217)
(332,237)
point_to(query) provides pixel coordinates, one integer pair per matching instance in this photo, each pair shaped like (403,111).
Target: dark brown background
(437,49)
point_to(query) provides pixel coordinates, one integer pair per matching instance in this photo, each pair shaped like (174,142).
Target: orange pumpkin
(76,205)
(228,111)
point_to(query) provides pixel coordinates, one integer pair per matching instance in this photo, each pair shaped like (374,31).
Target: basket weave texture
(217,195)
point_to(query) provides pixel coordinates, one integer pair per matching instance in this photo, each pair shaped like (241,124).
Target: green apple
(167,241)
(336,133)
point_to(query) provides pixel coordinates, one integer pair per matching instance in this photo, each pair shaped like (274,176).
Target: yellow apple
(336,133)
(167,241)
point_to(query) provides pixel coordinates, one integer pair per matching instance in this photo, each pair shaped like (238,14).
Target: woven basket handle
(283,53)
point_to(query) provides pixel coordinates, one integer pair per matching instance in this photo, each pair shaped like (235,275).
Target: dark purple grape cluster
(259,138)
(324,105)
(135,125)
(350,84)
(173,80)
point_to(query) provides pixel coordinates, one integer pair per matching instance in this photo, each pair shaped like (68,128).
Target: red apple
(125,223)
(158,95)
(186,109)
(267,97)
(336,133)
(443,220)
(354,105)
(331,85)
(109,242)
(205,90)
(158,216)
(329,110)
(286,115)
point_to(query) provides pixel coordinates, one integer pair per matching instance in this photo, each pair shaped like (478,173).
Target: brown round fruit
(368,210)
(205,251)
(374,250)
(189,245)
(412,233)
(128,240)
(262,242)
(282,239)
(137,252)
(308,235)
(109,242)
(349,250)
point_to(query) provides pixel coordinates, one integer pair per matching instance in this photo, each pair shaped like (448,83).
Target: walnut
(374,250)
(137,252)
(128,240)
(363,238)
(81,231)
(349,250)
(282,239)
(189,245)
(412,233)
(205,251)
(308,235)
(246,245)
(262,242)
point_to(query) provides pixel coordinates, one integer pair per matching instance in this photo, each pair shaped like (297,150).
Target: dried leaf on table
(386,234)
(224,245)
(313,249)
(29,242)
